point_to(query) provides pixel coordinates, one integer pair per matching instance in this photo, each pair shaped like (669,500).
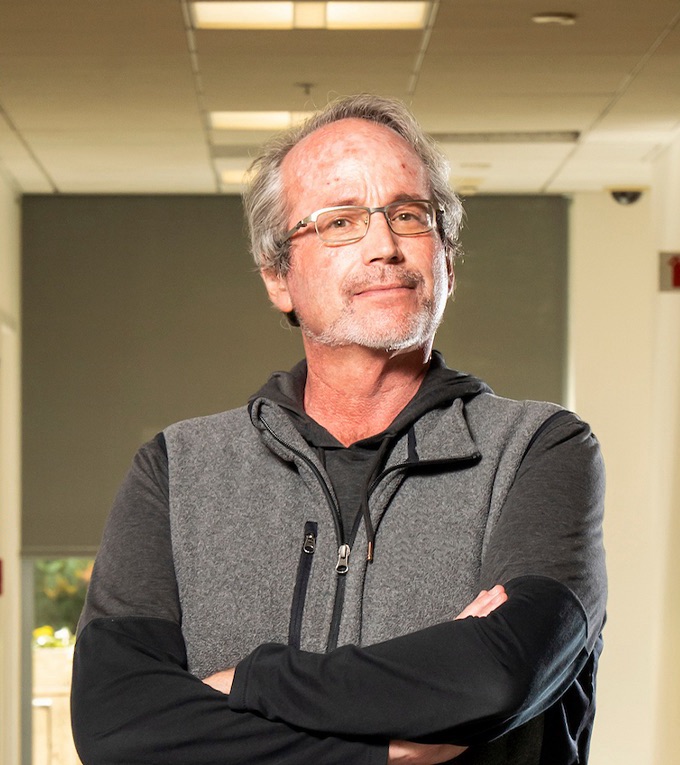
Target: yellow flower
(43,632)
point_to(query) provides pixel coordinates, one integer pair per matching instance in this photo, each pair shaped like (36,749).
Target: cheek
(317,275)
(320,276)
(305,291)
(427,259)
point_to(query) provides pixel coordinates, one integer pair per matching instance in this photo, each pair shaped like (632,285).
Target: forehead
(350,159)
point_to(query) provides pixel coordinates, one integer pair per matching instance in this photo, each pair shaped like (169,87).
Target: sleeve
(471,680)
(551,524)
(133,700)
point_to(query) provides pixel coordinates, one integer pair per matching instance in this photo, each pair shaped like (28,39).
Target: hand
(408,753)
(486,602)
(221,681)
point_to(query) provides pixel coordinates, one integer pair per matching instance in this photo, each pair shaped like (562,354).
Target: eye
(410,213)
(339,220)
(405,215)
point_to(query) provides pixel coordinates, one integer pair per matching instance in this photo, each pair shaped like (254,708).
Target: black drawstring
(411,441)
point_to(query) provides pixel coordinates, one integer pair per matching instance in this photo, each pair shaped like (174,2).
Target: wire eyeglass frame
(390,212)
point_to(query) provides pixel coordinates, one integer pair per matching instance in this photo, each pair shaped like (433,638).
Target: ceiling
(98,96)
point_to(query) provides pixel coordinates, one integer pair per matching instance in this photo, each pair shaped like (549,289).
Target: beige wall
(625,379)
(9,252)
(9,475)
(666,436)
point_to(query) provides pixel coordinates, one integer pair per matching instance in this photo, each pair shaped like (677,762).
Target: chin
(394,337)
(388,329)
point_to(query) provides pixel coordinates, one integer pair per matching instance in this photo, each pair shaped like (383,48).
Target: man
(277,584)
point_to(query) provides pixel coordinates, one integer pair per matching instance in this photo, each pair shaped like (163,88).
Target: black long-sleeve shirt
(467,682)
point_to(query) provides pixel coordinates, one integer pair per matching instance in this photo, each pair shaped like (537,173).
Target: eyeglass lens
(344,224)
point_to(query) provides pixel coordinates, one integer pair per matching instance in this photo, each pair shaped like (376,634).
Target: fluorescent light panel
(256,120)
(335,14)
(309,15)
(242,15)
(360,15)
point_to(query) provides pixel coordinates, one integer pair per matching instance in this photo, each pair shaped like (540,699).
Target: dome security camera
(624,197)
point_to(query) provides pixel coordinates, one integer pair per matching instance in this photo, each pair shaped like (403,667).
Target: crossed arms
(466,681)
(404,752)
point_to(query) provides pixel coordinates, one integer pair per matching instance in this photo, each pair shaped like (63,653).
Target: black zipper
(335,511)
(342,564)
(340,594)
(339,602)
(344,549)
(301,582)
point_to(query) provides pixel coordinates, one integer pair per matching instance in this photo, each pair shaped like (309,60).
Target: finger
(486,602)
(496,597)
(476,608)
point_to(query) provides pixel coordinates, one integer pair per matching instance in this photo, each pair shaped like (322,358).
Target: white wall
(9,474)
(625,380)
(666,497)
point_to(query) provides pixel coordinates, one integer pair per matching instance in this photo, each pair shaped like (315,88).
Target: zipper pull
(343,559)
(309,543)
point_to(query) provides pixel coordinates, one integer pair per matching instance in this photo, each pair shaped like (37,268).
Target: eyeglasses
(349,223)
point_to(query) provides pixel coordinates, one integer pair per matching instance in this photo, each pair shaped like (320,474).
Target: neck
(356,392)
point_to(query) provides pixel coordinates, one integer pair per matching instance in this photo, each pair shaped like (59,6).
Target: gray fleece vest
(244,488)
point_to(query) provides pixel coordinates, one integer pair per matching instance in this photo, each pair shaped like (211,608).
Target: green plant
(60,589)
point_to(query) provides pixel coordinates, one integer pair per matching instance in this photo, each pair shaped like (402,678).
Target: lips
(383,288)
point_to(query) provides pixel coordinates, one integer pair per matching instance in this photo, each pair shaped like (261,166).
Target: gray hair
(265,200)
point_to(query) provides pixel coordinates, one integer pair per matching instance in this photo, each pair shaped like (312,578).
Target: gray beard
(417,330)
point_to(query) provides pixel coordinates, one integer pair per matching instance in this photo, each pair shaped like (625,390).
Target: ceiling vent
(554,136)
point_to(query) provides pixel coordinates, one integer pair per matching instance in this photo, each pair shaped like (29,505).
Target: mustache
(383,276)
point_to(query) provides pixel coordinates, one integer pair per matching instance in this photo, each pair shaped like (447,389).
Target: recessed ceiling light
(334,14)
(563,19)
(260,120)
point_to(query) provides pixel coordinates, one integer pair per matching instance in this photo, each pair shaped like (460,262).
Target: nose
(380,244)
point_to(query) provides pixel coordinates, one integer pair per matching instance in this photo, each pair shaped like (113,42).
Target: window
(59,588)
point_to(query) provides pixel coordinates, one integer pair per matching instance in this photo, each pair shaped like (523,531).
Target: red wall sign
(669,271)
(674,263)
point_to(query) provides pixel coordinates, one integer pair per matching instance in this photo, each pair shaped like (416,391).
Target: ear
(277,289)
(451,274)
